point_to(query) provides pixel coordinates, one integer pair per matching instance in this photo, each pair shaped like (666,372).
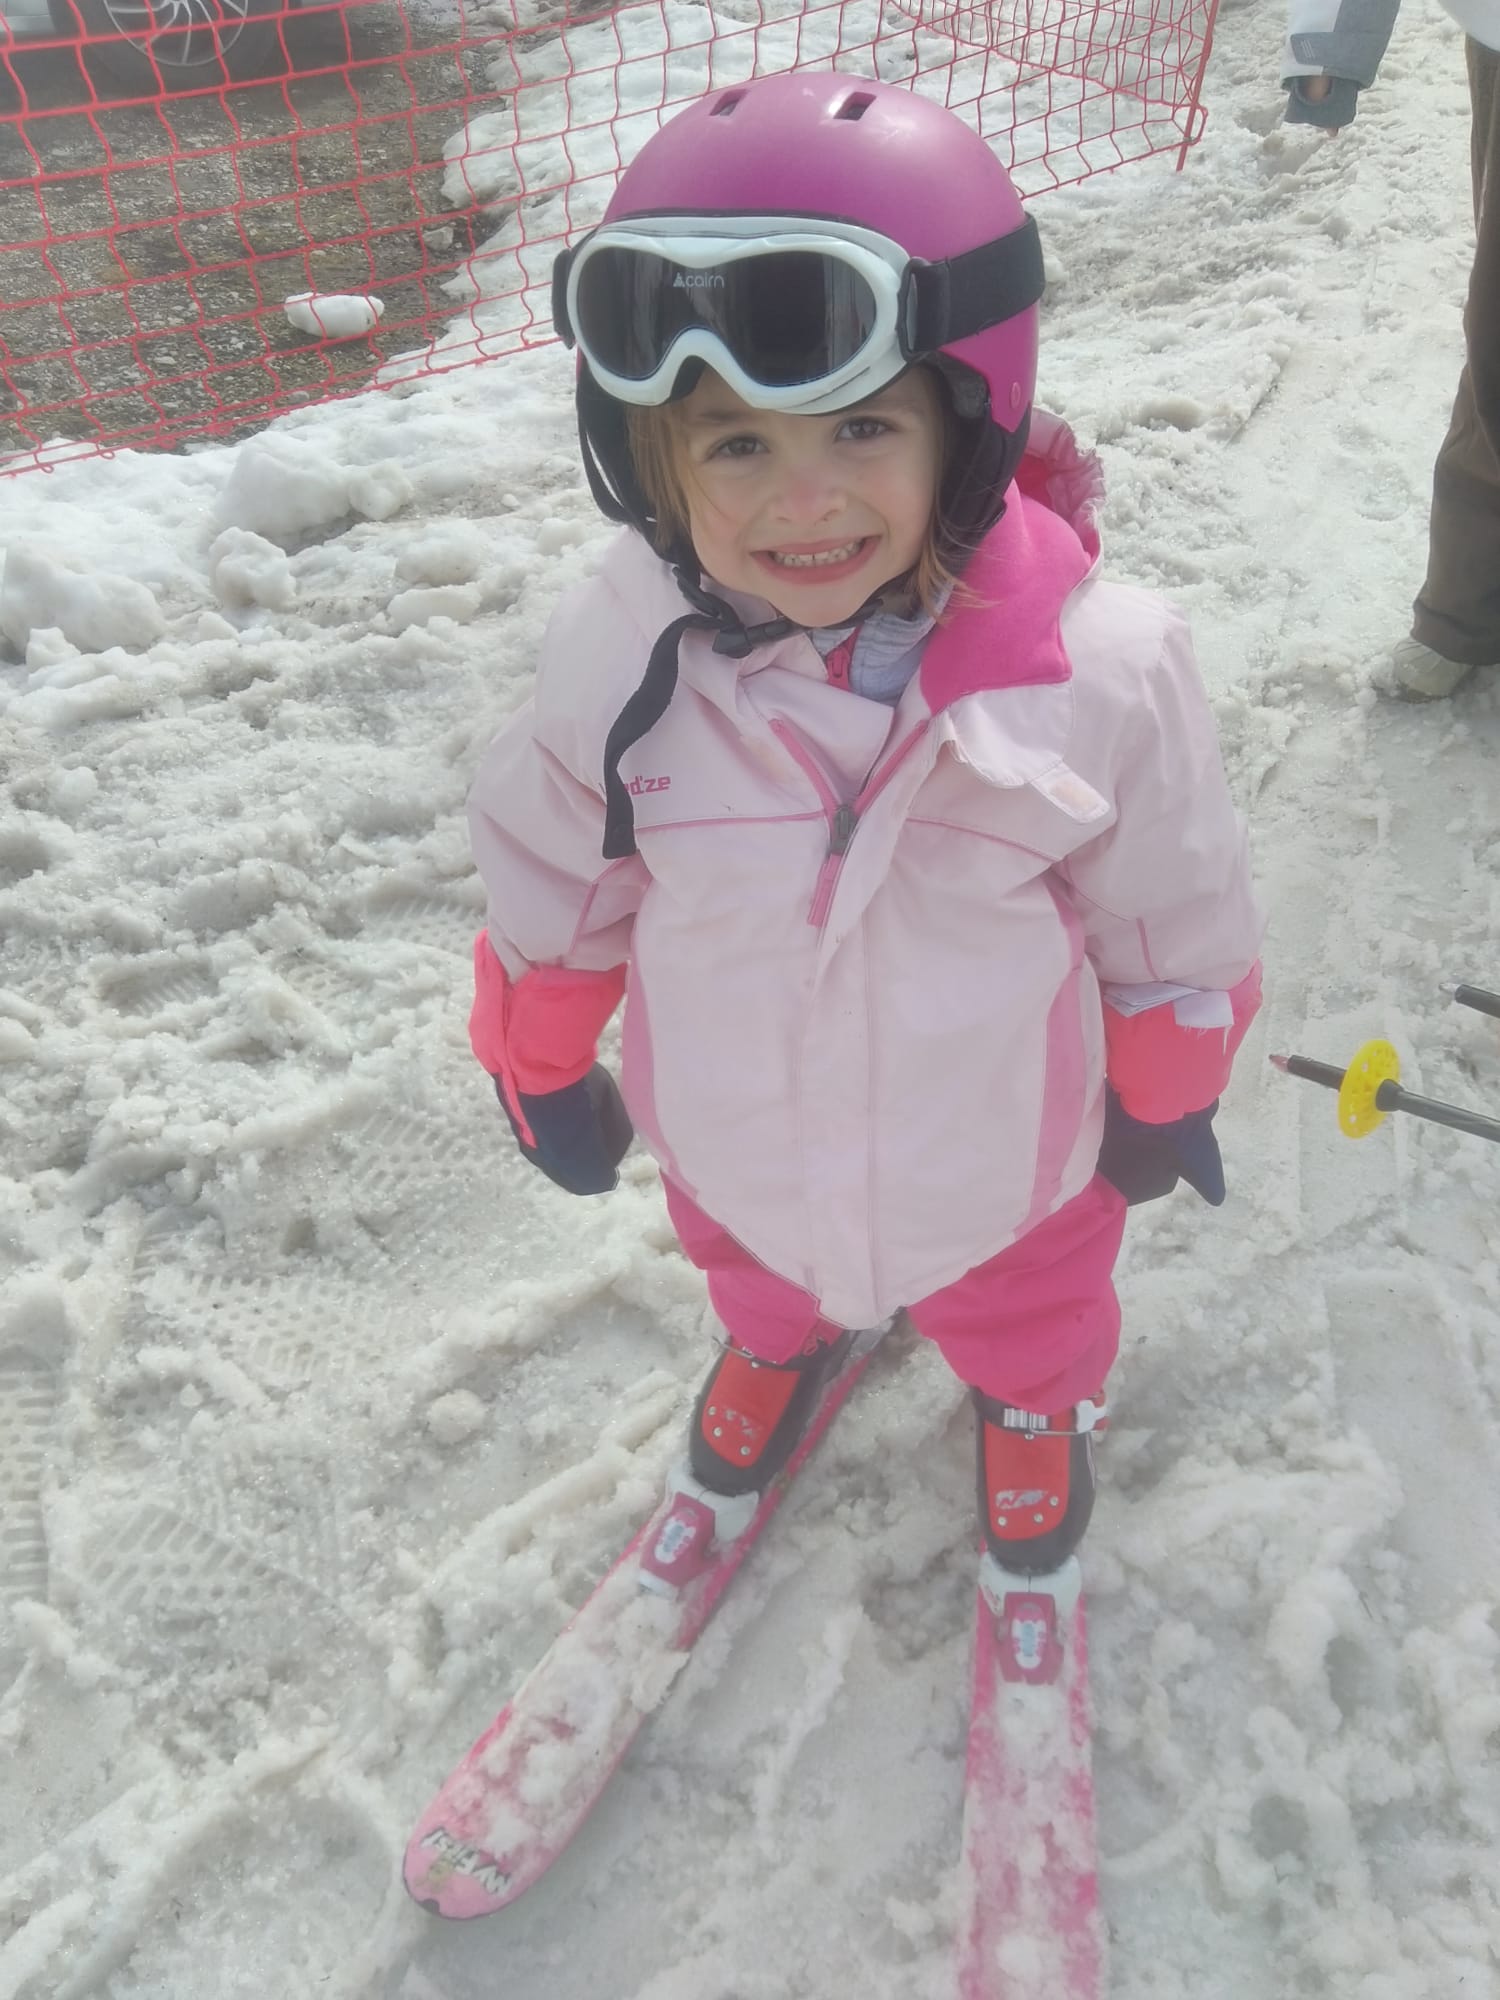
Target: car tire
(198,44)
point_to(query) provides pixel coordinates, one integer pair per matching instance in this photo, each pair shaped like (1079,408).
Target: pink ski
(506,1813)
(1030,1925)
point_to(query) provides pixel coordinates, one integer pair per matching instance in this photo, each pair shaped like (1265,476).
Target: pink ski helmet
(883,213)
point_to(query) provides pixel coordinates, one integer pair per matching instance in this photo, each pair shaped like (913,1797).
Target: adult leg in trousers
(1457,612)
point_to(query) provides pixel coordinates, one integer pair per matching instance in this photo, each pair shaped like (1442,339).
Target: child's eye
(736,447)
(859,430)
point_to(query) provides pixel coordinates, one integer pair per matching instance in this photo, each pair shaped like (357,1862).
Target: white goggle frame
(735,239)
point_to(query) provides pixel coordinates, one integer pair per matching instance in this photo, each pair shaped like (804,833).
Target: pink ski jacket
(864,946)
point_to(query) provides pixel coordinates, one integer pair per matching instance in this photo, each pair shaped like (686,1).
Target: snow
(320,1414)
(333,315)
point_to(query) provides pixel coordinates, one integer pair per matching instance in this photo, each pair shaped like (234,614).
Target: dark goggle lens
(787,316)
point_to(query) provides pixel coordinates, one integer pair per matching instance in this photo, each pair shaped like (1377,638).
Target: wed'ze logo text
(639,785)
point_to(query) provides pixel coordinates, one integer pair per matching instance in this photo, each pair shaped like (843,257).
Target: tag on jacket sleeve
(1071,794)
(1192,1006)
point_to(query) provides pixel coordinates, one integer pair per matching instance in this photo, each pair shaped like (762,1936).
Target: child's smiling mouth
(833,555)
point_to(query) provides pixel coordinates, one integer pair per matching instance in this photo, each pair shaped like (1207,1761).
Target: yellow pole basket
(1359,1112)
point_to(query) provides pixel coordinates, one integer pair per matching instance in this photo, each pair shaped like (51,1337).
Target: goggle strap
(978,289)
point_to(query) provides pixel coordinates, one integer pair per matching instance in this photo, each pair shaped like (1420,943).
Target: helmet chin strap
(733,638)
(736,640)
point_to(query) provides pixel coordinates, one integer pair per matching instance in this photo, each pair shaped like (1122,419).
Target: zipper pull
(845,821)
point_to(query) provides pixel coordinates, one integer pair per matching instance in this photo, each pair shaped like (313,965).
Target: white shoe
(1423,675)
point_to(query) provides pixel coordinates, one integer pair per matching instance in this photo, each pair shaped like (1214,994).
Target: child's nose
(809,493)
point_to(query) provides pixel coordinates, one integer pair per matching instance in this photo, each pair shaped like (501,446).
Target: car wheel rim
(180,34)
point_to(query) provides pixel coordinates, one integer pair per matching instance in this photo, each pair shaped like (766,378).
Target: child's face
(813,513)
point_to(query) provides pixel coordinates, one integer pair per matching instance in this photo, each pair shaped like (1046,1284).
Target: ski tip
(452,1907)
(454,1879)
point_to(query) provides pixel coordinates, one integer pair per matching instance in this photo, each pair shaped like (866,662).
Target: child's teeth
(828,556)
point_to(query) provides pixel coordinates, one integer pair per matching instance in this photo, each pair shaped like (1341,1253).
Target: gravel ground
(149,247)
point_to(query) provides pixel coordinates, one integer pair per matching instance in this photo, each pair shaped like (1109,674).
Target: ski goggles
(793,313)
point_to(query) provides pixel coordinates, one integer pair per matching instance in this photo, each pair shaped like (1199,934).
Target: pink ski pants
(1038,1325)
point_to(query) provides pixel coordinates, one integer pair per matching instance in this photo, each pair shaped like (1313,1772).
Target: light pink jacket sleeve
(536,822)
(1164,892)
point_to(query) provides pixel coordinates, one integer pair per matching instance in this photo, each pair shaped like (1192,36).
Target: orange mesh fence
(215,210)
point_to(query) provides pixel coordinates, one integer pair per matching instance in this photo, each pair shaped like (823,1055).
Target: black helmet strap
(642,712)
(977,289)
(651,700)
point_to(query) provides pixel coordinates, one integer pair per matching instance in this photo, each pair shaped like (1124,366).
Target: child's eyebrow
(715,415)
(718,416)
(897,395)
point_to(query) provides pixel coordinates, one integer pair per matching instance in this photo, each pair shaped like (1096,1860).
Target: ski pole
(1370,1088)
(1479,999)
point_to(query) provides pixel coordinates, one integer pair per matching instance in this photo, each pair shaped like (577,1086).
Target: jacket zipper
(841,830)
(843,816)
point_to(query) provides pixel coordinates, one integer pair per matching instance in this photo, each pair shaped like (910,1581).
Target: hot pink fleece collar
(1004,631)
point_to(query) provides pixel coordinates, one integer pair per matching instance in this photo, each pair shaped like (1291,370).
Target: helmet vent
(726,104)
(855,105)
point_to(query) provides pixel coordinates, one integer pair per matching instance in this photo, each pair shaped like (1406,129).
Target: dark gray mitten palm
(580,1133)
(1147,1161)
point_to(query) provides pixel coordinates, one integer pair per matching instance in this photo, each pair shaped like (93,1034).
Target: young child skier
(903,835)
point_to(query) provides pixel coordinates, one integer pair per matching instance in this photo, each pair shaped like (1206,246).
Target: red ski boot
(1036,1482)
(750,1414)
(746,1424)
